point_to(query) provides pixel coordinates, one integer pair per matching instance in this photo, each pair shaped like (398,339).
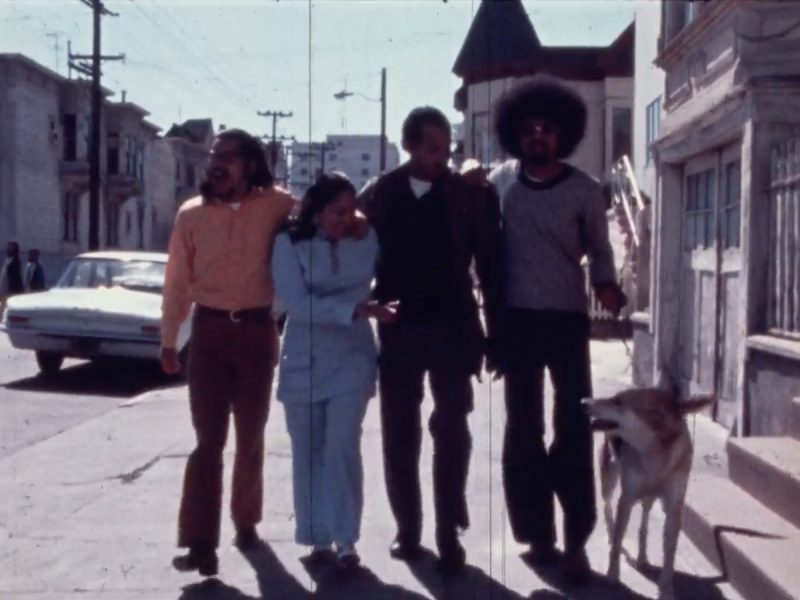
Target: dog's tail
(696,403)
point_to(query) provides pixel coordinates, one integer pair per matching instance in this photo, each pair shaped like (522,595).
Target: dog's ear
(695,404)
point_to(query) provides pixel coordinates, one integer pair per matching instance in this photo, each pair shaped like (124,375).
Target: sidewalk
(91,513)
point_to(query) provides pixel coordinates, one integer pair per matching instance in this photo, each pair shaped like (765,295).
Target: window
(139,171)
(332,156)
(365,172)
(70,137)
(190,175)
(128,223)
(112,154)
(731,209)
(178,173)
(70,217)
(130,156)
(652,125)
(699,209)
(365,156)
(303,171)
(620,133)
(783,304)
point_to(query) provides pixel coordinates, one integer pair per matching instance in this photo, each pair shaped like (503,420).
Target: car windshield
(142,275)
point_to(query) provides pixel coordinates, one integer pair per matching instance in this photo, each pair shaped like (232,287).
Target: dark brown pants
(231,367)
(408,350)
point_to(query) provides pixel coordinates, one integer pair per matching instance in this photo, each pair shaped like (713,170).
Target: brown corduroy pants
(231,366)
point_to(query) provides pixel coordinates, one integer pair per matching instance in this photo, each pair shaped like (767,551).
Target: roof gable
(501,41)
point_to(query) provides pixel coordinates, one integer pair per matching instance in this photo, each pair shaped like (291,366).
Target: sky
(229,59)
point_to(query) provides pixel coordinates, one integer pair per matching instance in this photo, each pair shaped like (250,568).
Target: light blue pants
(328,476)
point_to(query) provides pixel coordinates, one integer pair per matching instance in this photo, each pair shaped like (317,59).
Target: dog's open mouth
(603,425)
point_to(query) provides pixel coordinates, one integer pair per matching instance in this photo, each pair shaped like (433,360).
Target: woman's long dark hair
(253,155)
(325,190)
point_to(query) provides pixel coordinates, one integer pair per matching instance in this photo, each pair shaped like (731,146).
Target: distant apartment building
(44,167)
(357,156)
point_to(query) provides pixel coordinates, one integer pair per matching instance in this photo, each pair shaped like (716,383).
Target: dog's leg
(673,510)
(609,477)
(624,507)
(641,559)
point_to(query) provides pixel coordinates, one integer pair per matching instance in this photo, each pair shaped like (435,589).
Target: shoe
(246,538)
(577,570)
(404,550)
(203,561)
(540,555)
(347,557)
(452,556)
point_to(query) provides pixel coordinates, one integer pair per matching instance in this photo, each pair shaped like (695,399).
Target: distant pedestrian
(553,215)
(219,259)
(328,365)
(34,272)
(11,274)
(431,225)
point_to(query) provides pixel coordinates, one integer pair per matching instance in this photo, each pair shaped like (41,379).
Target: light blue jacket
(325,351)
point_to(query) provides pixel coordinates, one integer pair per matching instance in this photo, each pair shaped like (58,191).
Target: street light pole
(344,94)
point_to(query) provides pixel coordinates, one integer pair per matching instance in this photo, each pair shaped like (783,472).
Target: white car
(106,304)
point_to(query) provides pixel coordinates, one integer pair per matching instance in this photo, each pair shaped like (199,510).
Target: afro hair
(543,97)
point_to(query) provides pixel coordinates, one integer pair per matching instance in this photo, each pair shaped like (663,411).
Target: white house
(44,169)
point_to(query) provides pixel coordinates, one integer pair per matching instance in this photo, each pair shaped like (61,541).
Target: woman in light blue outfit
(328,362)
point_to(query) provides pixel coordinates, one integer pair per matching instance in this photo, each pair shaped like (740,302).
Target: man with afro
(553,216)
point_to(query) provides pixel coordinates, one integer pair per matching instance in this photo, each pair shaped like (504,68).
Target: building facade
(724,313)
(44,168)
(180,159)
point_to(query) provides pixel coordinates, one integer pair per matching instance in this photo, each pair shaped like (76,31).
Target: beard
(218,185)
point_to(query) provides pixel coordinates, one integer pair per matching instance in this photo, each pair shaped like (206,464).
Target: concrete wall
(772,382)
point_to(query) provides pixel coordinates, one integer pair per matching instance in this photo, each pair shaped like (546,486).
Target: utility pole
(383,120)
(275,116)
(98,11)
(275,144)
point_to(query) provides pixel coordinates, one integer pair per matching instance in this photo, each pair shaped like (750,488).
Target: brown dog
(648,449)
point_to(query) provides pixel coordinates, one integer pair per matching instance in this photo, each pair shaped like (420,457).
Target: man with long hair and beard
(219,259)
(553,215)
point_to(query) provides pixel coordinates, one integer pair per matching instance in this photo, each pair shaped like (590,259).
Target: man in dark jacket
(11,274)
(431,225)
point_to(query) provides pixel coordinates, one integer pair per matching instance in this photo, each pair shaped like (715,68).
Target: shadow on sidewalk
(599,588)
(361,583)
(212,589)
(115,378)
(470,583)
(687,585)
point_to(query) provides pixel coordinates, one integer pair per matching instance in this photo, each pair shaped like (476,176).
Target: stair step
(768,468)
(755,550)
(795,413)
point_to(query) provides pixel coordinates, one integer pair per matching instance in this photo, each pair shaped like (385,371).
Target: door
(710,266)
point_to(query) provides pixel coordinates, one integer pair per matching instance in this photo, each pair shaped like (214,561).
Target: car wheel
(49,362)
